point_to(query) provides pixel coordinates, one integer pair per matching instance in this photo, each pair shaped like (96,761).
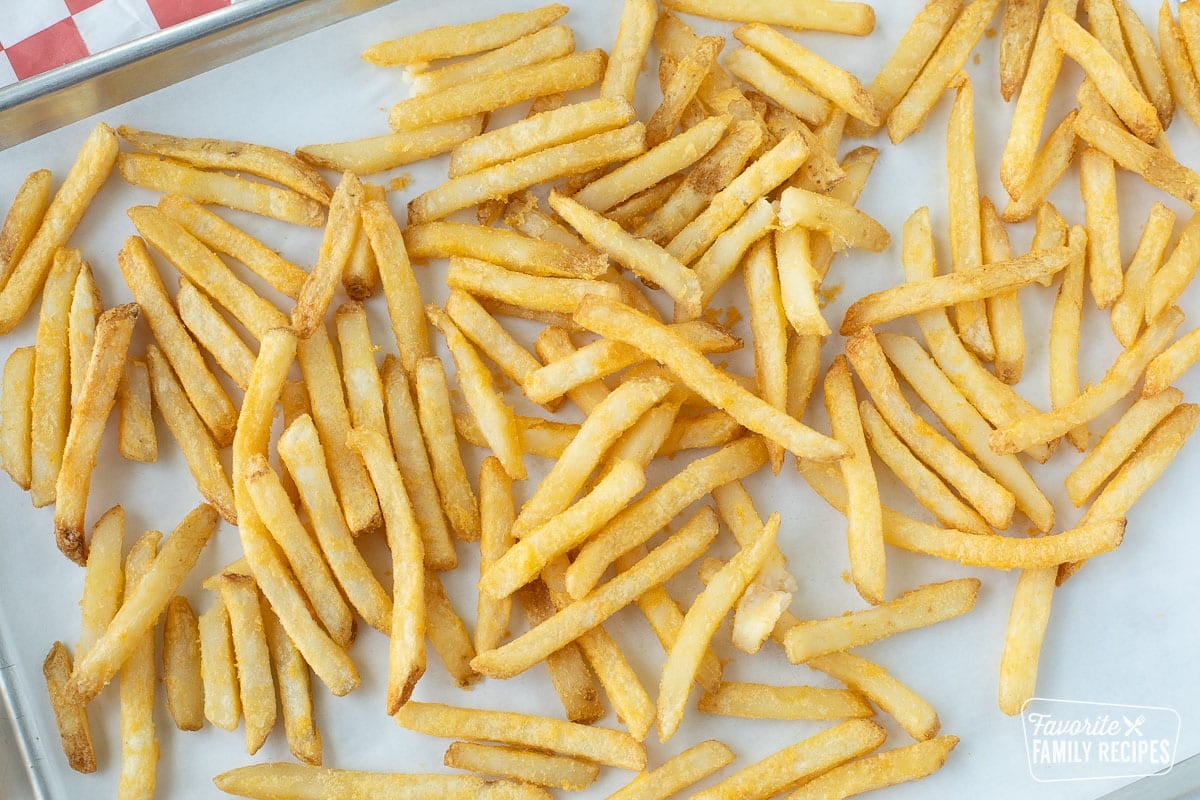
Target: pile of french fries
(607,222)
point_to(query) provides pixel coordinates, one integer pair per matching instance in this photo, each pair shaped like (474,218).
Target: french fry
(103,581)
(360,375)
(821,172)
(1171,364)
(181,665)
(16,415)
(376,154)
(569,674)
(1105,26)
(714,429)
(798,280)
(522,765)
(909,710)
(641,520)
(88,419)
(139,745)
(888,768)
(1139,473)
(680,87)
(1004,310)
(1047,169)
(629,51)
(1096,398)
(600,745)
(496,515)
(305,782)
(71,717)
(22,220)
(966,425)
(437,428)
(256,685)
(217,154)
(845,225)
(84,180)
(499,90)
(769,327)
(994,502)
(414,465)
(337,245)
(1027,622)
(677,773)
(203,391)
(299,548)
(553,345)
(214,333)
(502,248)
(1126,99)
(864,529)
(798,762)
(918,608)
(1176,272)
(533,48)
(666,560)
(629,698)
(218,671)
(295,692)
(219,235)
(1177,63)
(756,69)
(400,289)
(1017,35)
(721,259)
(768,171)
(329,412)
(857,166)
(448,633)
(1129,312)
(909,114)
(1098,185)
(462,40)
(360,274)
(955,287)
(760,701)
(50,403)
(804,367)
(559,295)
(1147,61)
(482,329)
(1005,552)
(855,19)
(86,305)
(232,191)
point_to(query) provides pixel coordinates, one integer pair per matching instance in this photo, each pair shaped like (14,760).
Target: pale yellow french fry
(912,713)
(1177,271)
(760,701)
(570,675)
(1177,63)
(84,180)
(888,768)
(1105,26)
(798,281)
(86,305)
(637,210)
(462,40)
(844,225)
(558,295)
(855,19)
(769,326)
(413,461)
(103,581)
(1023,640)
(222,703)
(22,220)
(214,333)
(681,80)
(714,429)
(503,248)
(600,745)
(295,692)
(437,427)
(139,743)
(1129,312)
(74,730)
(528,766)
(983,492)
(677,773)
(629,698)
(16,415)
(181,665)
(909,114)
(496,515)
(1047,169)
(857,165)
(1098,186)
(1096,398)
(200,450)
(533,48)
(379,153)
(406,654)
(400,289)
(89,417)
(554,345)
(219,235)
(360,375)
(721,259)
(753,67)
(448,633)
(926,605)
(307,782)
(256,684)
(137,439)
(1147,61)
(1004,310)
(203,391)
(1169,365)
(337,246)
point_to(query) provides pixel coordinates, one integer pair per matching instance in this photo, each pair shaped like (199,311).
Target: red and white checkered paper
(39,35)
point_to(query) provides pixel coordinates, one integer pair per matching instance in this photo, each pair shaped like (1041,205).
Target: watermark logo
(1072,740)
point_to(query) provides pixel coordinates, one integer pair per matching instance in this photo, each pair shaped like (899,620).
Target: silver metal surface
(22,763)
(1181,783)
(48,101)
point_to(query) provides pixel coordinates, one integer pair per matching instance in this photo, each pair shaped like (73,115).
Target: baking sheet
(1122,631)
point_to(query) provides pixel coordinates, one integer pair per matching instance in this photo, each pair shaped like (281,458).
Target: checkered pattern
(39,35)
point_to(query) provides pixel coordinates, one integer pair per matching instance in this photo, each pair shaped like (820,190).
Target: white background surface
(1122,631)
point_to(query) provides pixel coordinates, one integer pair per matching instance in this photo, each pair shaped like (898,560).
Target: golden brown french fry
(799,762)
(677,773)
(181,665)
(1096,398)
(400,289)
(22,220)
(1147,61)
(629,51)
(600,745)
(855,19)
(570,675)
(1129,312)
(533,48)
(1105,26)
(753,67)
(337,245)
(1047,169)
(84,180)
(217,154)
(1017,35)
(1178,64)
(923,606)
(16,415)
(256,685)
(1176,272)
(1023,640)
(798,281)
(181,352)
(523,765)
(379,153)
(1098,186)
(437,428)
(219,235)
(449,41)
(199,449)
(448,633)
(888,768)
(760,701)
(845,225)
(911,712)
(139,743)
(305,782)
(329,412)
(1004,310)
(721,260)
(86,305)
(218,671)
(1171,363)
(559,295)
(71,717)
(769,326)
(680,87)
(88,419)
(361,272)
(136,438)
(360,375)
(503,248)
(103,580)
(214,333)
(295,692)
(554,345)
(909,113)
(496,515)
(50,403)
(666,560)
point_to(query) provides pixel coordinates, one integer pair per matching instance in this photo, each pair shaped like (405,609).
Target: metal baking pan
(98,82)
